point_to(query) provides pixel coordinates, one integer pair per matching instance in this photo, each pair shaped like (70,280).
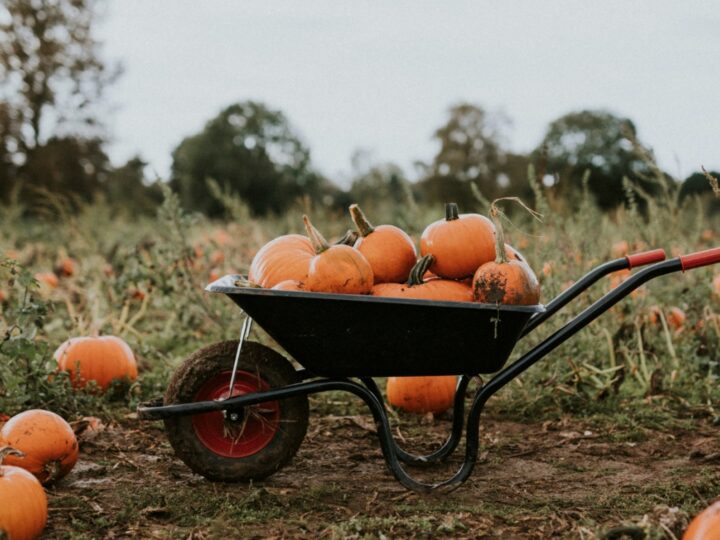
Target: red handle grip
(701,258)
(645,257)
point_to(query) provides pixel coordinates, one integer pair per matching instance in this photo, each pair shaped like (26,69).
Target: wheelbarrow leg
(450,443)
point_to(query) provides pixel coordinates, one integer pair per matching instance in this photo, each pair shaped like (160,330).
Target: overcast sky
(381,75)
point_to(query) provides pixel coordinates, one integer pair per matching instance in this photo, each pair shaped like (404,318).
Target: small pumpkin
(337,268)
(716,285)
(23,503)
(66,267)
(505,280)
(285,257)
(389,250)
(100,359)
(706,525)
(460,243)
(425,394)
(48,279)
(290,285)
(47,441)
(421,288)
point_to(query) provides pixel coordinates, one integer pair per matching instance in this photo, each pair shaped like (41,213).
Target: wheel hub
(239,432)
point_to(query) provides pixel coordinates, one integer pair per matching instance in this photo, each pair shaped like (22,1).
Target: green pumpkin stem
(452,212)
(418,271)
(348,239)
(316,238)
(364,227)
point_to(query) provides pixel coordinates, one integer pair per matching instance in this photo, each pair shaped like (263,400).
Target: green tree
(251,150)
(51,82)
(471,150)
(697,185)
(375,183)
(602,143)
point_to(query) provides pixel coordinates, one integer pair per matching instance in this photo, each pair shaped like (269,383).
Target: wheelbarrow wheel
(249,443)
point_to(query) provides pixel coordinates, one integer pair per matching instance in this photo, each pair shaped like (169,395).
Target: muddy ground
(568,477)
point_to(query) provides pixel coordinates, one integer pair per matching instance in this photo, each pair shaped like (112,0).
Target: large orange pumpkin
(337,268)
(706,525)
(388,249)
(100,359)
(47,441)
(422,395)
(422,288)
(290,285)
(460,243)
(23,503)
(505,280)
(285,257)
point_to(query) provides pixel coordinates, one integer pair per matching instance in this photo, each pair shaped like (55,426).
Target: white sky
(381,75)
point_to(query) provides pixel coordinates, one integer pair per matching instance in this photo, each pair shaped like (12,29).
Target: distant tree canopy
(250,150)
(51,82)
(471,150)
(698,185)
(598,142)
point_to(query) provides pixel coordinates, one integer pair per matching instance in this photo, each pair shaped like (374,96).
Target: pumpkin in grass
(48,279)
(460,243)
(285,257)
(706,525)
(421,288)
(426,394)
(100,359)
(505,280)
(336,268)
(66,267)
(389,250)
(47,441)
(23,503)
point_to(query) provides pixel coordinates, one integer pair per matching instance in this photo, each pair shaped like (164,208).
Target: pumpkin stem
(9,451)
(361,222)
(316,238)
(52,469)
(348,239)
(452,212)
(244,282)
(495,215)
(418,271)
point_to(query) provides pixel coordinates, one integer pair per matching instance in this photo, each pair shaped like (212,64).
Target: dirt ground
(563,478)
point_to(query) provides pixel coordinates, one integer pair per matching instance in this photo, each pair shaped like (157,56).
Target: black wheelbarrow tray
(238,411)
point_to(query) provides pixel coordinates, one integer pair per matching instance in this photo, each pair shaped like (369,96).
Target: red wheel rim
(255,429)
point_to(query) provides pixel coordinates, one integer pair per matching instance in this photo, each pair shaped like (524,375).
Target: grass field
(617,428)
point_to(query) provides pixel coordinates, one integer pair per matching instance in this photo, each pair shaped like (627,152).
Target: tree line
(52,139)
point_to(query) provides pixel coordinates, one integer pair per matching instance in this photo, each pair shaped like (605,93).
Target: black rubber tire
(273,369)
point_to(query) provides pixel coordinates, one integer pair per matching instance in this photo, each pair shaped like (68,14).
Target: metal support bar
(244,333)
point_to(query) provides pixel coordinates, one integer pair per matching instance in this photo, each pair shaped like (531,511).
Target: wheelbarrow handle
(645,257)
(581,285)
(700,258)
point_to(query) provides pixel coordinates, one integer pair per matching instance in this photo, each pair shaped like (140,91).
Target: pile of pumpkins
(463,258)
(38,447)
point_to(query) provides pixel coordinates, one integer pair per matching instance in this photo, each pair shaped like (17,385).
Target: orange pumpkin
(716,284)
(48,279)
(389,250)
(676,318)
(433,394)
(3,296)
(100,359)
(505,280)
(460,243)
(706,525)
(286,257)
(420,288)
(337,268)
(23,503)
(48,442)
(290,285)
(67,267)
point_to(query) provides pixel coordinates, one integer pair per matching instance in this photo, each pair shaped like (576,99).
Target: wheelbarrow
(238,410)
